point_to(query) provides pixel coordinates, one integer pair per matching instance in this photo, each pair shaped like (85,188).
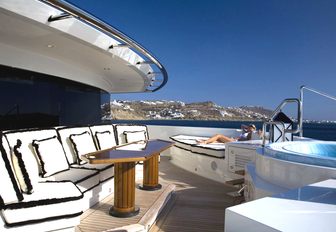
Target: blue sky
(237,52)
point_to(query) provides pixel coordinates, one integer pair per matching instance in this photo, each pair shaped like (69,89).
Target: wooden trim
(115,161)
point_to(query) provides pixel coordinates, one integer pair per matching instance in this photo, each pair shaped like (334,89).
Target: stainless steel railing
(299,113)
(283,128)
(299,128)
(72,11)
(301,102)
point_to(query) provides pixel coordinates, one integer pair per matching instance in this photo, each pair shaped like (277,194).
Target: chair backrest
(26,137)
(126,133)
(10,191)
(26,163)
(65,133)
(103,136)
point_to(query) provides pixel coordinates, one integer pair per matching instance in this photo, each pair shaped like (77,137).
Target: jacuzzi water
(321,153)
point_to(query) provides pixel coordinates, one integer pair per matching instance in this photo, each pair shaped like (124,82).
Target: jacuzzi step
(238,181)
(237,198)
(240,172)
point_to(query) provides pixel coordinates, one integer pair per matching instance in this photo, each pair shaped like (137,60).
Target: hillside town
(165,110)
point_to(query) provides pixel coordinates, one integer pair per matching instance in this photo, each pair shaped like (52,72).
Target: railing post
(301,110)
(271,131)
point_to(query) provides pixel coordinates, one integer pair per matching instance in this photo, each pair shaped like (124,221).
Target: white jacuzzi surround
(271,175)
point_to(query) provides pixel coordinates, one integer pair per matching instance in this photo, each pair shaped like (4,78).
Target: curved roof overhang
(56,38)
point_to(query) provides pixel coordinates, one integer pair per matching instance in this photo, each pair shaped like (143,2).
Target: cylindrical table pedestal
(151,173)
(124,190)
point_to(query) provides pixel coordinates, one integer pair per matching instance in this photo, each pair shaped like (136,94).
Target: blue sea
(322,131)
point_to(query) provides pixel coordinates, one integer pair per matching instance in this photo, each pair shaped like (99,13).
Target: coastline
(316,130)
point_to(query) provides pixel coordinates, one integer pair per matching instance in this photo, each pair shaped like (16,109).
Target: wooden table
(124,158)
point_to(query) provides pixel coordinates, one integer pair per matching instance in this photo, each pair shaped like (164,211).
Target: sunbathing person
(244,136)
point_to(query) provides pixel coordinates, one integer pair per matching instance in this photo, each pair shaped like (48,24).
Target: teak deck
(198,204)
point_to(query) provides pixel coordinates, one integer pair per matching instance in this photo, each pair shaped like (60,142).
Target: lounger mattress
(191,143)
(213,149)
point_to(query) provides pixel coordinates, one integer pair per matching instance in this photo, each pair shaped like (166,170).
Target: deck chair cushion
(214,149)
(51,156)
(104,136)
(121,136)
(106,171)
(84,179)
(191,143)
(10,191)
(64,135)
(26,168)
(187,141)
(50,201)
(105,139)
(27,152)
(133,136)
(82,144)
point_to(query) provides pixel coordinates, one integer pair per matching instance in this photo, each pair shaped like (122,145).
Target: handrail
(299,113)
(301,102)
(106,28)
(271,131)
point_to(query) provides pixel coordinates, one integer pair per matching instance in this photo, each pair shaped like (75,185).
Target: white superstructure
(56,38)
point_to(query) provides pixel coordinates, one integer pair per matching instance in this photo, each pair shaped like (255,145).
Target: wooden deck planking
(198,204)
(98,219)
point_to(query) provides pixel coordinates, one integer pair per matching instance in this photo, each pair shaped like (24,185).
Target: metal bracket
(154,73)
(119,46)
(59,17)
(145,62)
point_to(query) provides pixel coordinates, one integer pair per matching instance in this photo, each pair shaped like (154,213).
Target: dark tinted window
(30,99)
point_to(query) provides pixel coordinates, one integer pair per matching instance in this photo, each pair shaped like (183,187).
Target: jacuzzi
(287,165)
(306,152)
